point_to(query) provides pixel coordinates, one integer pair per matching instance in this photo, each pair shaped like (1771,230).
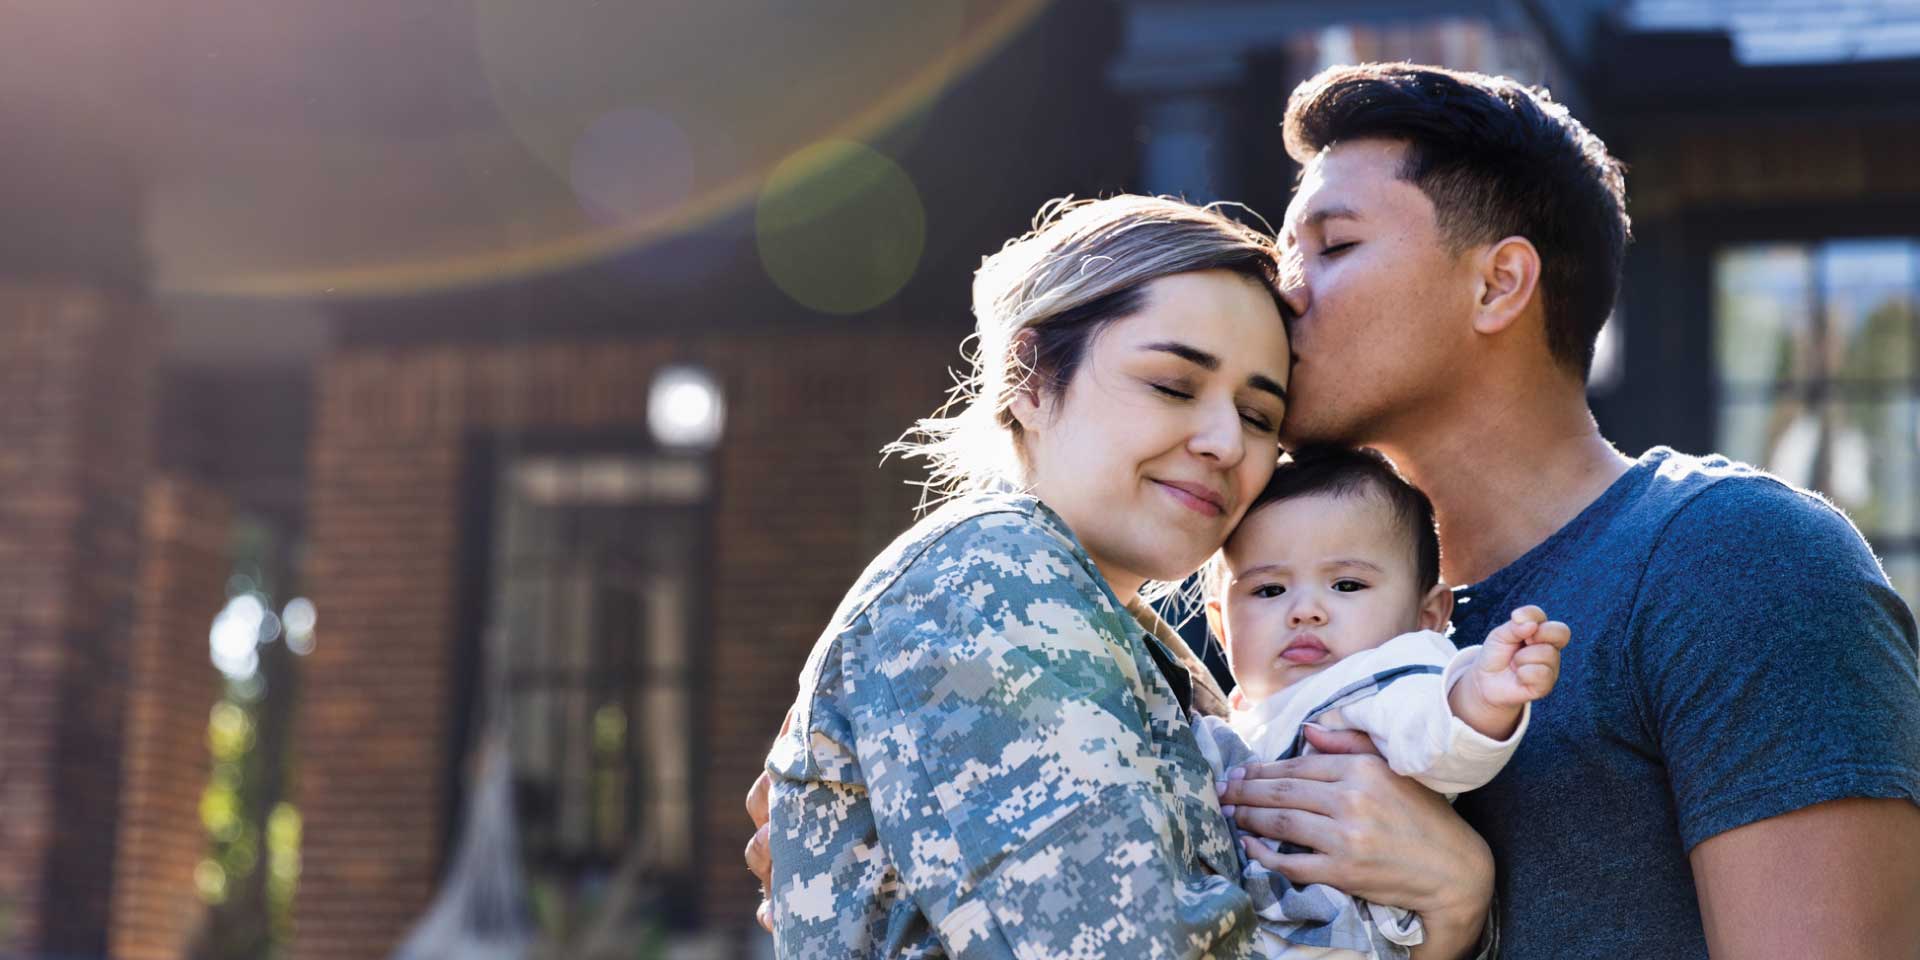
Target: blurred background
(433,432)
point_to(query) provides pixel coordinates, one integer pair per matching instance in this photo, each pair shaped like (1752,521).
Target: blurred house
(554,351)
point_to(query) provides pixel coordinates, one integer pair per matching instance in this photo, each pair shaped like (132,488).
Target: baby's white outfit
(1397,694)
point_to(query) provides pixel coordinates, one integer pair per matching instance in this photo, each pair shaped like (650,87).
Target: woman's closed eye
(1336,249)
(1174,391)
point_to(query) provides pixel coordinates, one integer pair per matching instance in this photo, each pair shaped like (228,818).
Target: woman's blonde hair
(1042,298)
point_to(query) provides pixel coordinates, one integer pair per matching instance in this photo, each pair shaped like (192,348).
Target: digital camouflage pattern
(985,762)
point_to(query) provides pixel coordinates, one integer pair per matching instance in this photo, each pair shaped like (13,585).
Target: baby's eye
(1267,591)
(1348,586)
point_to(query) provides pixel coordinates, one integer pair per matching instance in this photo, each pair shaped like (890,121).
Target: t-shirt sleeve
(1012,771)
(1774,665)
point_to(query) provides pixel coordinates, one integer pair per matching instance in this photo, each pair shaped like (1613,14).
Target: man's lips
(1304,649)
(1195,497)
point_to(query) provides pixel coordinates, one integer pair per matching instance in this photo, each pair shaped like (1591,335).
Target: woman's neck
(1126,588)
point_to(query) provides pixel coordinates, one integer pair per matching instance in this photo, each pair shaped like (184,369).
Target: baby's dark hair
(1346,472)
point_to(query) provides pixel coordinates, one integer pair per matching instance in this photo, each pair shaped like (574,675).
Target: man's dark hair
(1497,158)
(1360,472)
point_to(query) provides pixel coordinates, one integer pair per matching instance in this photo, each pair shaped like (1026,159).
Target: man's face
(1384,306)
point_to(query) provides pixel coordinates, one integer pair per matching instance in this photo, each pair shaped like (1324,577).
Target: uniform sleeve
(1412,723)
(1012,772)
(831,882)
(1774,666)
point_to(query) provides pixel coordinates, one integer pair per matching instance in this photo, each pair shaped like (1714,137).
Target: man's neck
(1507,474)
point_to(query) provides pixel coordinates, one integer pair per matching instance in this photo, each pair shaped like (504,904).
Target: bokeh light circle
(631,165)
(685,408)
(840,227)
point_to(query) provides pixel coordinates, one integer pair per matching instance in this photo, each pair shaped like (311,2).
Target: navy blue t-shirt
(1737,654)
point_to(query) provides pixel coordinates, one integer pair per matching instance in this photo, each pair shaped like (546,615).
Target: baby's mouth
(1304,649)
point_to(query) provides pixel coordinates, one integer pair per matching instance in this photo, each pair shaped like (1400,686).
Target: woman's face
(1168,428)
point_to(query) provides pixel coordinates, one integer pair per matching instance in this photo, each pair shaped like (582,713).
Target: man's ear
(1509,277)
(1436,608)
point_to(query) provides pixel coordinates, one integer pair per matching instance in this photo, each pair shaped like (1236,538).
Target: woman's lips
(1196,498)
(1304,650)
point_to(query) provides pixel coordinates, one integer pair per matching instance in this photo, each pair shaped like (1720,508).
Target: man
(1731,763)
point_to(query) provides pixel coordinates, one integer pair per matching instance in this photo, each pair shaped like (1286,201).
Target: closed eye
(1171,392)
(1337,249)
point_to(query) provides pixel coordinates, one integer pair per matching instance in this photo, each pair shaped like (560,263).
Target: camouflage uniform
(988,760)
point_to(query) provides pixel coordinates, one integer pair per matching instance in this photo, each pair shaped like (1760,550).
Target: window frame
(486,455)
(1711,231)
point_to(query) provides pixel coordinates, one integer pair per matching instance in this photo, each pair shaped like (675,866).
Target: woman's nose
(1218,435)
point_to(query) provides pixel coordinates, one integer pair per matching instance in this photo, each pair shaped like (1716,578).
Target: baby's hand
(1520,661)
(1517,665)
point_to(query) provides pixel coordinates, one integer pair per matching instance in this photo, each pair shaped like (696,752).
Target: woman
(990,756)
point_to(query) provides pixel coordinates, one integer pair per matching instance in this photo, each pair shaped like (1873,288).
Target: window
(1817,350)
(596,562)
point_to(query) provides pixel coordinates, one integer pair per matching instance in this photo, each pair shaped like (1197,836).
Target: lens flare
(840,227)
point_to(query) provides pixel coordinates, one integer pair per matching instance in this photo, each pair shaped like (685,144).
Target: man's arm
(1777,675)
(1837,879)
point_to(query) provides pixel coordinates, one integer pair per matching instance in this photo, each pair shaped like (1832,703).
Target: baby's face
(1311,581)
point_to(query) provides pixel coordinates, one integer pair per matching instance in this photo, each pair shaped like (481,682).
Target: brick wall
(172,686)
(74,371)
(801,508)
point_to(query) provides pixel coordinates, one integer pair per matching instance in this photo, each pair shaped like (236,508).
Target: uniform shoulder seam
(907,561)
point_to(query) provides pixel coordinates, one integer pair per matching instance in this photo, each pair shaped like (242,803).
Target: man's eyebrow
(1335,212)
(1207,361)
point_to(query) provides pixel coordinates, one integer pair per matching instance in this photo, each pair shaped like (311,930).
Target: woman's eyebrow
(1194,355)
(1207,361)
(1260,382)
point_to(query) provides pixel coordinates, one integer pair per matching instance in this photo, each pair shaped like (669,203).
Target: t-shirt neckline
(1600,510)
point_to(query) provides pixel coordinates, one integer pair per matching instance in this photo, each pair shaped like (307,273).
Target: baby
(1329,602)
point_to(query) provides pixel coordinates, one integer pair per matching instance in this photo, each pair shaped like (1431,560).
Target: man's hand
(759,851)
(760,848)
(1372,833)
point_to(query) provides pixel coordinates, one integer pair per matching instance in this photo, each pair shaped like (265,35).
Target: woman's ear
(1216,622)
(1436,608)
(1025,407)
(1509,277)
